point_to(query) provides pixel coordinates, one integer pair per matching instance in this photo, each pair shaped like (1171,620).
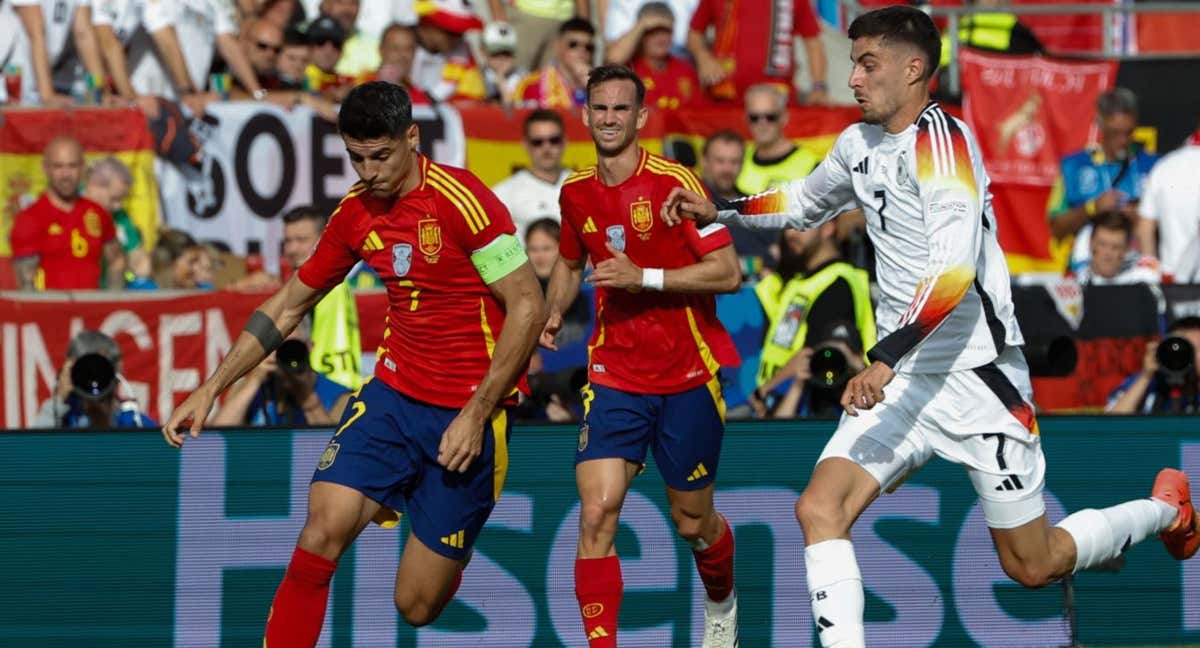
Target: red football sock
(299,606)
(715,565)
(598,588)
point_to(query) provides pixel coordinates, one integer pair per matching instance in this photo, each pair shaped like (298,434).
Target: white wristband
(652,278)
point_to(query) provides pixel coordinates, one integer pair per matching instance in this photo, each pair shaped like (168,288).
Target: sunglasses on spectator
(770,118)
(267,46)
(538,142)
(585,44)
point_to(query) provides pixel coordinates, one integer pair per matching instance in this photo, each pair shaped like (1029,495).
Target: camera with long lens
(1051,357)
(830,367)
(1176,359)
(292,357)
(93,377)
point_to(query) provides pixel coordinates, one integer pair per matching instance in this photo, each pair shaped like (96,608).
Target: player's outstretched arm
(524,316)
(264,331)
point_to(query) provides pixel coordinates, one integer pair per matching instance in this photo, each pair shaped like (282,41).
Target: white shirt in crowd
(622,16)
(133,21)
(945,296)
(1135,269)
(1172,198)
(57,18)
(529,198)
(197,25)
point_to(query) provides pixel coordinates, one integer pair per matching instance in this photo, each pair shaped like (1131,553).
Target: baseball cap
(325,28)
(499,38)
(454,16)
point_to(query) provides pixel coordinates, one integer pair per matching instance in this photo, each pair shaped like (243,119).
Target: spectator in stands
(532,194)
(108,183)
(1164,390)
(325,38)
(284,14)
(500,72)
(753,44)
(1111,261)
(720,165)
(337,348)
(1100,178)
(554,395)
(178,262)
(444,67)
(147,31)
(284,390)
(813,299)
(773,158)
(360,52)
(207,28)
(397,52)
(671,81)
(61,241)
(561,83)
(292,61)
(621,17)
(262,42)
(55,31)
(91,392)
(1169,228)
(537,22)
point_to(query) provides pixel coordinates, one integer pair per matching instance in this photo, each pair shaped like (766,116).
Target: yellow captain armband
(497,259)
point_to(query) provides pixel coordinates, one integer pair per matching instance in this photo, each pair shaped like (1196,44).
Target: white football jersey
(945,301)
(125,17)
(57,18)
(198,24)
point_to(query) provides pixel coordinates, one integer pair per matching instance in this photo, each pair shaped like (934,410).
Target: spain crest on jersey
(401,258)
(91,223)
(641,215)
(429,236)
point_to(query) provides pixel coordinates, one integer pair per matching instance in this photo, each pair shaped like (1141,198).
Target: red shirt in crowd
(69,244)
(673,86)
(645,342)
(443,320)
(754,40)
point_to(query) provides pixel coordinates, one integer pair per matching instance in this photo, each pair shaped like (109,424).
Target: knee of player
(318,539)
(596,516)
(415,609)
(1031,574)
(690,525)
(820,513)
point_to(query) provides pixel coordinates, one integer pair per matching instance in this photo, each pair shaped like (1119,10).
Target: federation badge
(902,169)
(429,237)
(583,437)
(401,258)
(593,610)
(91,223)
(641,215)
(616,236)
(328,457)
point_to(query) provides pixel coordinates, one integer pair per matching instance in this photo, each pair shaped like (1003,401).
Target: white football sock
(836,591)
(1102,535)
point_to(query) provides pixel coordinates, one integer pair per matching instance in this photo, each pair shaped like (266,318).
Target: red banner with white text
(1028,112)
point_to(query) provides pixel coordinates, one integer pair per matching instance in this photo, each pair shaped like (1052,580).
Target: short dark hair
(722,136)
(577,24)
(902,24)
(1189,323)
(613,72)
(541,115)
(547,226)
(396,27)
(1117,100)
(375,109)
(306,212)
(1113,220)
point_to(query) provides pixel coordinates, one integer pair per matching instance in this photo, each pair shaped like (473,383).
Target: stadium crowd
(1118,209)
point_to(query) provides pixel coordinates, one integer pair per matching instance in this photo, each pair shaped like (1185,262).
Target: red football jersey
(645,342)
(69,245)
(674,86)
(442,319)
(756,37)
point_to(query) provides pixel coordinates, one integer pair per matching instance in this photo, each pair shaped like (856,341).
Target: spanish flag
(120,133)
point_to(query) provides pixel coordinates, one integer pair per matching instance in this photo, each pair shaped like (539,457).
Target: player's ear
(914,71)
(413,135)
(643,115)
(587,121)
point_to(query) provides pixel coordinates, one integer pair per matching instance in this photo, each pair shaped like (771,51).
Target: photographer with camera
(91,391)
(284,389)
(1168,381)
(812,296)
